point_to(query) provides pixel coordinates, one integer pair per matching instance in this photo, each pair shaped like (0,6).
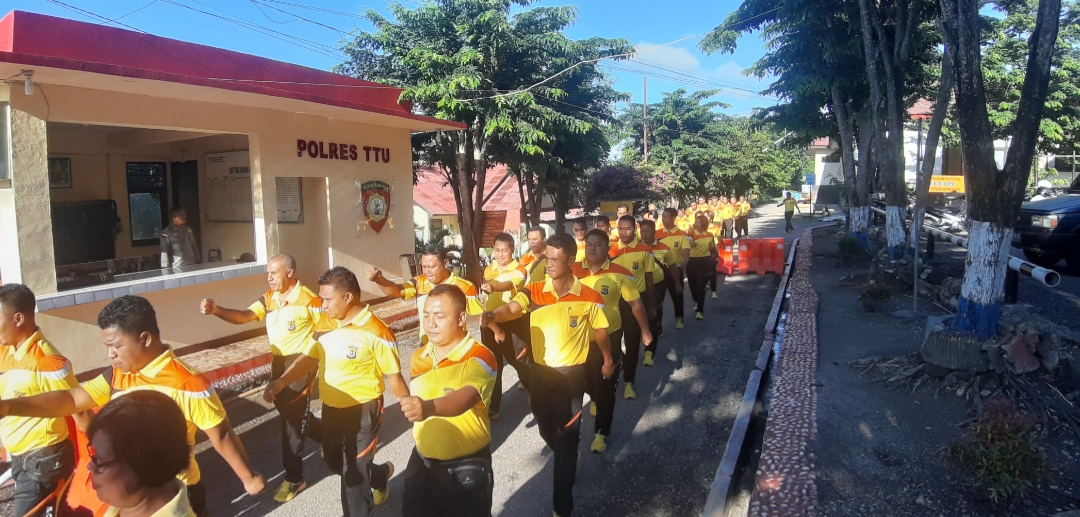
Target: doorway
(185,194)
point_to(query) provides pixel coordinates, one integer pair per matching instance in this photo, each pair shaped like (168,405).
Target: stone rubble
(784,481)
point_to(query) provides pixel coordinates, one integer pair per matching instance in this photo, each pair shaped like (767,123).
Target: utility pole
(645,115)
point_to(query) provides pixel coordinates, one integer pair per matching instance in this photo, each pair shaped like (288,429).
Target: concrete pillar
(26,245)
(264,199)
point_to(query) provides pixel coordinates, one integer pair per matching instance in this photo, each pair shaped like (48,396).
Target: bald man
(291,312)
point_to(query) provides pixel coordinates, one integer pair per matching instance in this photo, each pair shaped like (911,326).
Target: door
(185,194)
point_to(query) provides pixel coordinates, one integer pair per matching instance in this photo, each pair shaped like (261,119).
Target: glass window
(146,202)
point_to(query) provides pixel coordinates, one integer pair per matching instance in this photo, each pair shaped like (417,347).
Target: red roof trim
(45,41)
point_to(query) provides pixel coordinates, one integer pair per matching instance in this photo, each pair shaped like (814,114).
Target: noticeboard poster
(228,178)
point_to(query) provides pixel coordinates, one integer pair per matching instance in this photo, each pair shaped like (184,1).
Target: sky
(646,24)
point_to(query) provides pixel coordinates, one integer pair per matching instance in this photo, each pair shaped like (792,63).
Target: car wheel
(1043,259)
(1074,259)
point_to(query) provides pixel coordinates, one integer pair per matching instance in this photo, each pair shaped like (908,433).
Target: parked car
(1049,230)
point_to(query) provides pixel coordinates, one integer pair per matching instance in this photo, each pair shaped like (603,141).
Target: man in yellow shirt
(566,317)
(30,365)
(352,361)
(668,261)
(140,360)
(703,256)
(534,261)
(502,279)
(616,286)
(631,254)
(676,239)
(580,229)
(790,206)
(291,312)
(742,217)
(449,472)
(435,270)
(603,223)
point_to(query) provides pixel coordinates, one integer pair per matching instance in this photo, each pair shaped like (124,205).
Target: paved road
(662,457)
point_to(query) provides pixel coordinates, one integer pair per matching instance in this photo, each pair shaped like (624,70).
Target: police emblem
(352,352)
(375,202)
(636,266)
(573,322)
(292,326)
(604,290)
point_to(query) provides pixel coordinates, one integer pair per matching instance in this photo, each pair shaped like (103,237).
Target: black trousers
(196,495)
(657,321)
(631,340)
(601,390)
(555,398)
(787,221)
(712,274)
(36,479)
(742,225)
(676,297)
(297,422)
(350,436)
(728,228)
(514,350)
(697,275)
(432,490)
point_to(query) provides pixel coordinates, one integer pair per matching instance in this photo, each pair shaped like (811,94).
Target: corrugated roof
(436,197)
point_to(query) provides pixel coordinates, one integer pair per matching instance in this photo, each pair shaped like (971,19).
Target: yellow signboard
(609,208)
(947,184)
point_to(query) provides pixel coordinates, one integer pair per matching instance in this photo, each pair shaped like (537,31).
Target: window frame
(147,187)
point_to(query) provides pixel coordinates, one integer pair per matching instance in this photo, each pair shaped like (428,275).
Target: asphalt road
(663,453)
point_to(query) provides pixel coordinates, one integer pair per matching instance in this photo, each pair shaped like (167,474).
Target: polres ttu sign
(340,151)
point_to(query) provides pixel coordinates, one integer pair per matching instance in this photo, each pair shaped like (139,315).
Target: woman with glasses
(138,445)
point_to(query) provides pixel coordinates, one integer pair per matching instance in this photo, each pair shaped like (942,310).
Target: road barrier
(726,264)
(1047,277)
(761,256)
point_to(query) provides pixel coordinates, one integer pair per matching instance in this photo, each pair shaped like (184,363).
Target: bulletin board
(290,200)
(228,178)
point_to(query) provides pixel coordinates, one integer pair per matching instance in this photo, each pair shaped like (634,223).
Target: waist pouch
(49,464)
(463,475)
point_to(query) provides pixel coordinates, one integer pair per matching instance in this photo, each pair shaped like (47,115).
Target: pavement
(663,453)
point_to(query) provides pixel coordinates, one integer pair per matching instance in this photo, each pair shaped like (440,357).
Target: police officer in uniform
(178,246)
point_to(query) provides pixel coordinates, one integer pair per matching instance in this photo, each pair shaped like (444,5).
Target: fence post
(929,246)
(1012,286)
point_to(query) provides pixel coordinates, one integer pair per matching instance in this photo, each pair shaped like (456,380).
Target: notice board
(228,185)
(494,224)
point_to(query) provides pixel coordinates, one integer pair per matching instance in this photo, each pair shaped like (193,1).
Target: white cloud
(669,56)
(730,71)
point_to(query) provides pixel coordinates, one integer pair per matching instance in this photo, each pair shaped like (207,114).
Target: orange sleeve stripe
(615,268)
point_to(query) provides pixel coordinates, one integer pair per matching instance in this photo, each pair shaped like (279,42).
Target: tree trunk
(842,111)
(560,198)
(933,136)
(994,196)
(860,212)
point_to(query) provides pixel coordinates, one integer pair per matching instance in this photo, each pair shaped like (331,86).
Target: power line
(688,82)
(317,9)
(152,2)
(728,84)
(257,3)
(95,16)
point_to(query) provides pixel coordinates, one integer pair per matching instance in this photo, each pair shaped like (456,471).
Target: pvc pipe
(1047,277)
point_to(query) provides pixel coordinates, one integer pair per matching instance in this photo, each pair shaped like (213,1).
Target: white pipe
(1047,277)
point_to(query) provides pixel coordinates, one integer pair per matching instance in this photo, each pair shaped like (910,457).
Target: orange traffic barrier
(726,264)
(761,256)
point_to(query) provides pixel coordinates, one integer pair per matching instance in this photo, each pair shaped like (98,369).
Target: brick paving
(784,483)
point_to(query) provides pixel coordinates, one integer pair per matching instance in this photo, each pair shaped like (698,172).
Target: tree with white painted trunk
(994,194)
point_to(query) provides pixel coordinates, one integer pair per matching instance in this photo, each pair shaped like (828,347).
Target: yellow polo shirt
(169,375)
(468,364)
(664,256)
(536,265)
(744,208)
(580,251)
(789,204)
(701,241)
(353,359)
(684,222)
(612,281)
(513,273)
(676,239)
(635,257)
(420,286)
(291,318)
(33,368)
(562,326)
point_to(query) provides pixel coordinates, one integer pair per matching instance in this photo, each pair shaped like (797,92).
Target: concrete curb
(720,491)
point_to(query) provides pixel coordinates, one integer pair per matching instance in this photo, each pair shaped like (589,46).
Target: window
(146,202)
(436,224)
